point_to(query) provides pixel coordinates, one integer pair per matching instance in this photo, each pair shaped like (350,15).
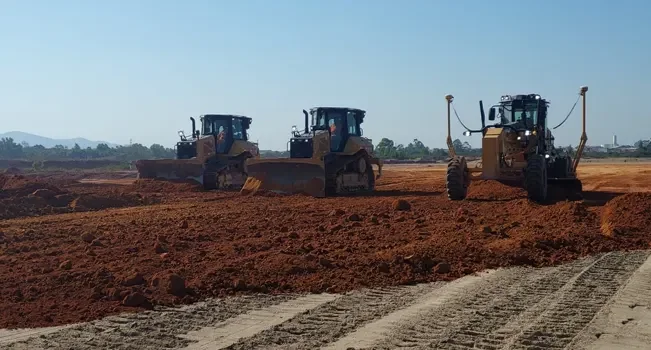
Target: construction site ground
(174,266)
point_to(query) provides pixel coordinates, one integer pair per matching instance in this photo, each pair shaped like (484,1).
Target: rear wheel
(457,179)
(535,178)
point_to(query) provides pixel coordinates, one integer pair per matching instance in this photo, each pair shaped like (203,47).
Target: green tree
(458,145)
(386,148)
(10,149)
(158,151)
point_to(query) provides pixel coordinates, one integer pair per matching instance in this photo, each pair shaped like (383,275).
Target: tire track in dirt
(467,320)
(481,320)
(625,320)
(575,306)
(158,329)
(248,325)
(368,335)
(325,324)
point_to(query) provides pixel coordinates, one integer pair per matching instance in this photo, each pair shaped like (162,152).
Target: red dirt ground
(79,266)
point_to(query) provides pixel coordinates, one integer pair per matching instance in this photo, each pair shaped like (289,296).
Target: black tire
(535,178)
(457,179)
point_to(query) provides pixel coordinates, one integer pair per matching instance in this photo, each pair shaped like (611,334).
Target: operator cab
(520,112)
(226,128)
(339,122)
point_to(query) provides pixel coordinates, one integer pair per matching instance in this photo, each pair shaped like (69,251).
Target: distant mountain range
(47,142)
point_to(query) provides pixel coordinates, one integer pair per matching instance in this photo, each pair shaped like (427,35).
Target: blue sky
(137,70)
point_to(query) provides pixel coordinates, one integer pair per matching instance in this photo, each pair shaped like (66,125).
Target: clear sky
(120,70)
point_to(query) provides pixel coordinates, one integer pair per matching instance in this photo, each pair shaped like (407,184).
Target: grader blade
(170,169)
(286,176)
(560,189)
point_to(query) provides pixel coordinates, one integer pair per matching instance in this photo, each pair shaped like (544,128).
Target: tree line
(9,149)
(388,149)
(385,149)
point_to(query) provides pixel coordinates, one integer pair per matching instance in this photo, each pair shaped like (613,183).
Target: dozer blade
(170,169)
(287,176)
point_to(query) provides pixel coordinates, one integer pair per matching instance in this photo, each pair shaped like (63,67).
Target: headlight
(527,133)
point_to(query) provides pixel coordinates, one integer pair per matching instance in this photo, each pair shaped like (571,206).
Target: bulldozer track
(337,166)
(220,167)
(560,307)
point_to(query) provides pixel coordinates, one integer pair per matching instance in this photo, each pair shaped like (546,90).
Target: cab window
(353,129)
(238,130)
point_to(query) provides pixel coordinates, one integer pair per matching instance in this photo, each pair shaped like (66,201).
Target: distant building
(596,149)
(625,149)
(611,145)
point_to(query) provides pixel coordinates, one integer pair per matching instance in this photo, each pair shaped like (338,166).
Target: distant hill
(47,142)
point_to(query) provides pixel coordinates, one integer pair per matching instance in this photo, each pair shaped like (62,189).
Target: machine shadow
(598,198)
(393,193)
(589,199)
(481,200)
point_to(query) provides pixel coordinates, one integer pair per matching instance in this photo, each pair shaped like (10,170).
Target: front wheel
(457,179)
(535,178)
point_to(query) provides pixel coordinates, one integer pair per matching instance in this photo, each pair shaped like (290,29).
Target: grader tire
(535,179)
(457,179)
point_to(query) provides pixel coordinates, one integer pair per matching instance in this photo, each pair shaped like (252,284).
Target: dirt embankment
(628,214)
(26,196)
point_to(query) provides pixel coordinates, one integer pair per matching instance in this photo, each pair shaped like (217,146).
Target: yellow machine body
(314,168)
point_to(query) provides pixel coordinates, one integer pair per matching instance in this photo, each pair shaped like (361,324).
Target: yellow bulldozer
(328,157)
(518,149)
(213,156)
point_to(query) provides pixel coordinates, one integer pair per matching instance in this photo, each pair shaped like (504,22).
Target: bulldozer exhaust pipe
(307,128)
(483,114)
(194,126)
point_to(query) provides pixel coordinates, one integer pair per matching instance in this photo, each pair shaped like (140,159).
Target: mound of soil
(22,196)
(86,202)
(147,185)
(21,186)
(494,190)
(12,171)
(627,214)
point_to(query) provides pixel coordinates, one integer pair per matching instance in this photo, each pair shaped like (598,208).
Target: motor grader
(213,156)
(328,157)
(518,149)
